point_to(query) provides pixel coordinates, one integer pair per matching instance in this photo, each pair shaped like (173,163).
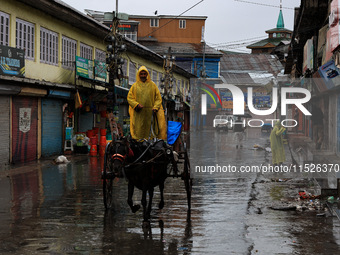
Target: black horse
(144,165)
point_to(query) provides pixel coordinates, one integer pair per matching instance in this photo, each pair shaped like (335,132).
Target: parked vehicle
(223,122)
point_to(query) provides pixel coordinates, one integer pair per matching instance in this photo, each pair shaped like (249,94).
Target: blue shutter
(52,133)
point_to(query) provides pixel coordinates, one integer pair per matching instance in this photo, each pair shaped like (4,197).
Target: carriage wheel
(187,179)
(107,180)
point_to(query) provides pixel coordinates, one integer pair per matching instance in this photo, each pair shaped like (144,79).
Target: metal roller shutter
(5,130)
(24,129)
(51,127)
(86,121)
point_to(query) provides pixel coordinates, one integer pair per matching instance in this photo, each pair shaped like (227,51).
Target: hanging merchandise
(77,101)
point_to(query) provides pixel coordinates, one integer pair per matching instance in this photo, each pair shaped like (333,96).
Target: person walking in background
(145,102)
(238,132)
(317,123)
(276,144)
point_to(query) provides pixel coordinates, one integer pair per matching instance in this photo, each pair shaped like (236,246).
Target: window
(86,51)
(154,22)
(132,72)
(48,47)
(182,23)
(69,50)
(124,68)
(4,28)
(178,87)
(131,35)
(154,77)
(101,55)
(25,37)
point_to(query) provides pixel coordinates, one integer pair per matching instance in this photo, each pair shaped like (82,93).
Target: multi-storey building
(48,52)
(185,36)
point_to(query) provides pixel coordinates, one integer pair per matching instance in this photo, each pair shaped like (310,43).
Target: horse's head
(118,154)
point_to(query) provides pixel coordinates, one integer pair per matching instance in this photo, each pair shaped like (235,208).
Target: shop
(51,127)
(24,128)
(5,130)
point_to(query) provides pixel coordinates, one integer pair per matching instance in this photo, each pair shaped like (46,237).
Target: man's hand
(138,108)
(154,110)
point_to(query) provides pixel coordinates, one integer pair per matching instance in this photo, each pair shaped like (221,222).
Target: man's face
(143,75)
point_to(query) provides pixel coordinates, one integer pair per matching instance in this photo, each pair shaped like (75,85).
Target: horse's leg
(161,189)
(150,202)
(144,204)
(134,208)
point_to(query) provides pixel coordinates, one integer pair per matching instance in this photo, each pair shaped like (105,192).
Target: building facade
(50,52)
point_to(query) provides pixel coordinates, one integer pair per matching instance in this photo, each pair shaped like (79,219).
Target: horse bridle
(119,157)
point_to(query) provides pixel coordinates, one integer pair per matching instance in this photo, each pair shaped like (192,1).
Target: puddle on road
(59,210)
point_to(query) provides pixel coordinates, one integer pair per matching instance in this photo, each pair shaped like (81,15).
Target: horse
(144,165)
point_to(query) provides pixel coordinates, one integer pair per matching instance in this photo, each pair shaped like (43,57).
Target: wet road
(55,209)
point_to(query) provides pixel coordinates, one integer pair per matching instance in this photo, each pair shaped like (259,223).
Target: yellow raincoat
(148,95)
(276,144)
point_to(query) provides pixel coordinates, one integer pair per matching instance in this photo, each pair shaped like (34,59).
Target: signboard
(25,119)
(84,67)
(127,27)
(261,99)
(308,53)
(90,69)
(330,73)
(333,32)
(12,61)
(100,69)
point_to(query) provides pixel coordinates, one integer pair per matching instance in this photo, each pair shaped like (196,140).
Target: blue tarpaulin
(174,130)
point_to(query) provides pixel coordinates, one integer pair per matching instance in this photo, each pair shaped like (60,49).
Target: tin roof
(182,49)
(253,69)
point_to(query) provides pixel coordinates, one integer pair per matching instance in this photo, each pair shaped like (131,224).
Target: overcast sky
(228,22)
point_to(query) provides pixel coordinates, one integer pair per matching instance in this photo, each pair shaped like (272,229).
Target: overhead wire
(268,5)
(174,18)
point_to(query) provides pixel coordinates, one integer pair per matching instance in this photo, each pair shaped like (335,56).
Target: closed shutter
(24,129)
(51,127)
(338,125)
(5,130)
(86,121)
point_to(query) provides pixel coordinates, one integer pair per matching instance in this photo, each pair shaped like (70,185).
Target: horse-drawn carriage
(145,164)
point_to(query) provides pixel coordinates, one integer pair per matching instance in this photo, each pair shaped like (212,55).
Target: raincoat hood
(142,123)
(277,124)
(143,68)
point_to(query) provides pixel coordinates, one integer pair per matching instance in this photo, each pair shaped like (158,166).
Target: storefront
(51,127)
(5,130)
(24,128)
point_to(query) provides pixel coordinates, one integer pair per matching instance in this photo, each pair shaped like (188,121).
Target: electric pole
(167,79)
(114,62)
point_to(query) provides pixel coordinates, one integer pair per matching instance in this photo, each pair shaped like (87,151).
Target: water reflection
(147,240)
(59,210)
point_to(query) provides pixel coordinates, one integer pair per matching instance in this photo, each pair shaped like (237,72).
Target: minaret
(280,23)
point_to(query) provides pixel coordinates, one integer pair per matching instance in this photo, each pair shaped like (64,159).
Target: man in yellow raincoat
(276,144)
(147,120)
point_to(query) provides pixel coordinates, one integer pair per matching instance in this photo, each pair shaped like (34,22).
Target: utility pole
(114,62)
(167,79)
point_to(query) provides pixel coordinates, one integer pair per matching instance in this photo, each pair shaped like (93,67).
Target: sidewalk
(303,151)
(20,168)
